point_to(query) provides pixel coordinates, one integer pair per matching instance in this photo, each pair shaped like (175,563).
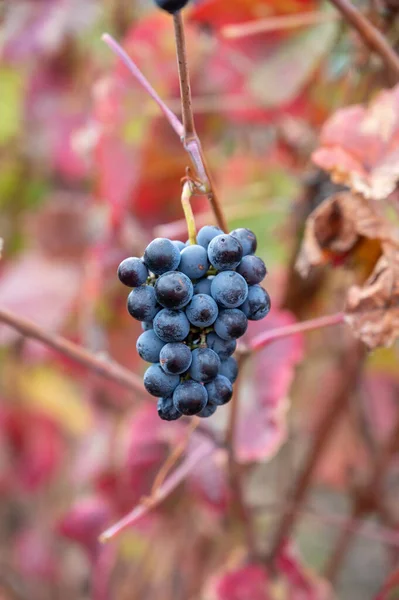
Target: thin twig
(190,139)
(372,37)
(267,337)
(186,196)
(168,486)
(234,469)
(278,23)
(342,545)
(352,363)
(106,368)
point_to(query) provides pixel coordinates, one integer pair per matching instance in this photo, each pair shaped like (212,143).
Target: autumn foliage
(290,493)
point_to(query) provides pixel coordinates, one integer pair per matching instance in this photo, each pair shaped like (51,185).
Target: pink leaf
(209,478)
(261,423)
(244,583)
(34,553)
(40,289)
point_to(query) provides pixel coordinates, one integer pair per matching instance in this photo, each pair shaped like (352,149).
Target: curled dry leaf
(373,309)
(343,224)
(360,146)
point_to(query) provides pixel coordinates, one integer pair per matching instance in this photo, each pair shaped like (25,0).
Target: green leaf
(11,104)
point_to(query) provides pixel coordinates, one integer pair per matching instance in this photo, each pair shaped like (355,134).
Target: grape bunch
(194,301)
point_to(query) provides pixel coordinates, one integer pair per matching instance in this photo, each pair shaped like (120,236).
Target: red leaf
(261,423)
(209,478)
(303,585)
(360,146)
(84,522)
(244,583)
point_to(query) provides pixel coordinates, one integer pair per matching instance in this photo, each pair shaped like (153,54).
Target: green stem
(188,212)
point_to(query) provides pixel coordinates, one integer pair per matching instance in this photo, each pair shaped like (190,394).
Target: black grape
(229,289)
(231,324)
(202,310)
(206,234)
(158,383)
(190,397)
(132,272)
(229,368)
(247,238)
(225,252)
(142,303)
(175,358)
(220,390)
(149,346)
(161,255)
(257,305)
(174,290)
(205,365)
(194,261)
(223,348)
(252,268)
(171,325)
(167,410)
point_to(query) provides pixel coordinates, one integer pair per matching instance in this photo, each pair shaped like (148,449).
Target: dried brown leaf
(372,310)
(337,227)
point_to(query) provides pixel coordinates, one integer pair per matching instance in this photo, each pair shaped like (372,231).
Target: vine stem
(351,366)
(186,196)
(106,368)
(190,138)
(371,36)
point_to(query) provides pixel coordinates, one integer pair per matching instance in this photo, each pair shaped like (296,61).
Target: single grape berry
(247,238)
(229,368)
(179,245)
(161,256)
(149,346)
(175,358)
(257,305)
(132,272)
(171,325)
(171,6)
(231,324)
(252,268)
(225,252)
(206,234)
(203,286)
(194,261)
(219,391)
(223,348)
(229,289)
(174,290)
(208,411)
(142,303)
(202,310)
(158,383)
(205,365)
(146,325)
(190,397)
(167,410)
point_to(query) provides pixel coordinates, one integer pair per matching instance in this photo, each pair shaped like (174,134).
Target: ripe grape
(206,234)
(161,256)
(158,383)
(257,304)
(190,397)
(203,286)
(174,290)
(171,325)
(225,252)
(247,239)
(194,261)
(205,365)
(229,368)
(231,324)
(142,303)
(132,272)
(171,6)
(167,410)
(175,358)
(252,268)
(149,346)
(202,310)
(208,411)
(223,348)
(220,390)
(229,289)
